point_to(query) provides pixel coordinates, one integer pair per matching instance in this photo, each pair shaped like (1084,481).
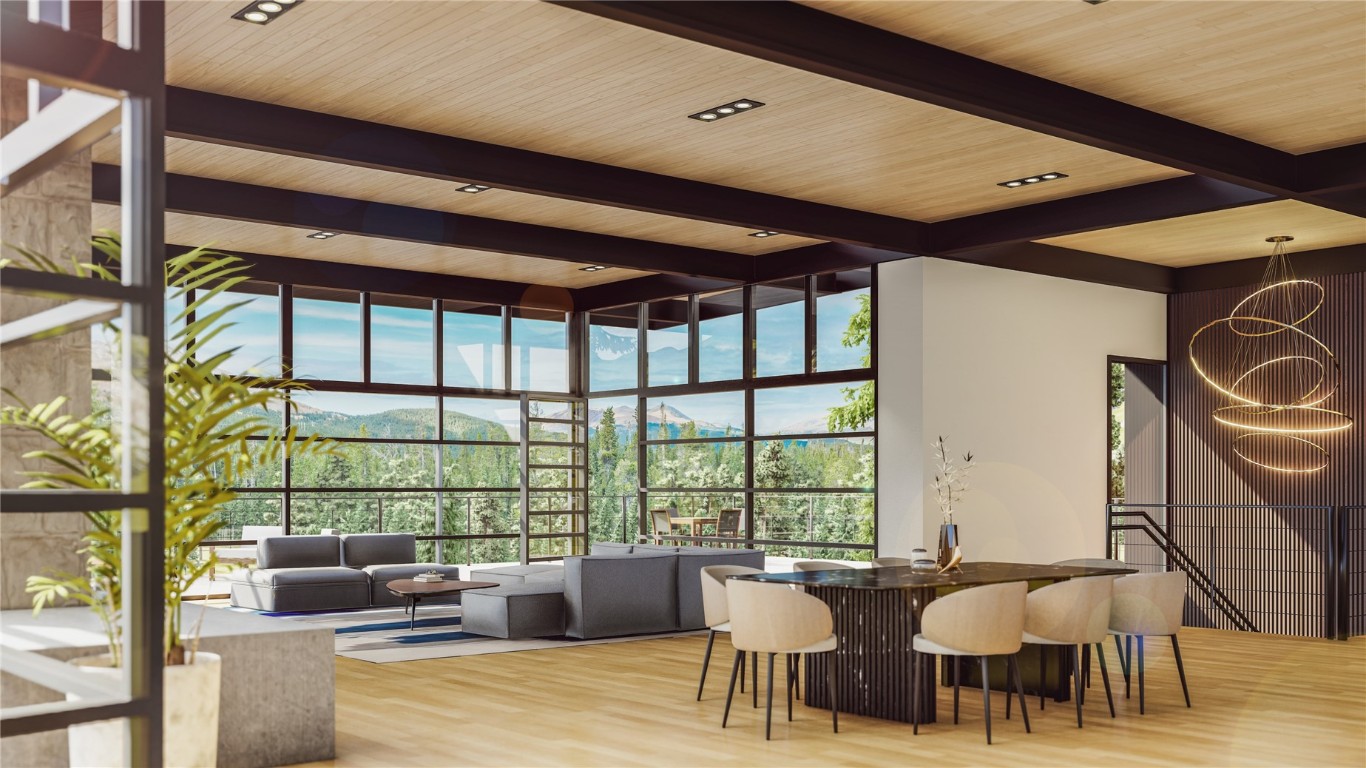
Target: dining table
(694,523)
(876,614)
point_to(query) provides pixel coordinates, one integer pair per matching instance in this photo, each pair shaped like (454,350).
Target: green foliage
(860,403)
(209,419)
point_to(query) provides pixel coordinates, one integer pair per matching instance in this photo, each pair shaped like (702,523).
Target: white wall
(1012,366)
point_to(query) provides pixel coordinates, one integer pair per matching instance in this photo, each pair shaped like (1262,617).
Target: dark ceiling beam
(1056,261)
(805,38)
(1333,170)
(400,282)
(1169,198)
(650,288)
(255,125)
(817,259)
(247,202)
(1321,262)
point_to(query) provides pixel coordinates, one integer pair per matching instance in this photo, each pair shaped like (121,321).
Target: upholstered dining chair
(890,562)
(716,612)
(662,523)
(1149,605)
(1072,613)
(818,565)
(773,619)
(1092,562)
(982,621)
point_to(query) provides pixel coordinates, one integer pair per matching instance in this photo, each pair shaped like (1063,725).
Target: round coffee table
(412,592)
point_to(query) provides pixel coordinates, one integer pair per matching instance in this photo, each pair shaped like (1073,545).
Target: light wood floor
(1258,700)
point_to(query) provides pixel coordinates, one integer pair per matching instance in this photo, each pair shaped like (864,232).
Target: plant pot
(189,719)
(948,539)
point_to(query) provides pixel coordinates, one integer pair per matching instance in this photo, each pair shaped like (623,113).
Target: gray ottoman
(380,575)
(300,589)
(521,574)
(534,609)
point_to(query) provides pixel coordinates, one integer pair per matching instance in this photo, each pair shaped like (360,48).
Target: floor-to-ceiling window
(757,399)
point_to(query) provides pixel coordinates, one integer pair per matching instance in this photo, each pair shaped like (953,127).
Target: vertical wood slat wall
(1268,561)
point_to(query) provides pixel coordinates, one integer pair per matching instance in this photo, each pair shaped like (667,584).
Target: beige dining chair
(773,619)
(728,524)
(982,621)
(1070,614)
(1093,562)
(818,565)
(663,524)
(1149,605)
(716,612)
(891,562)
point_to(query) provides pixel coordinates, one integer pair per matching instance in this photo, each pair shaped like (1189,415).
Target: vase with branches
(950,483)
(217,429)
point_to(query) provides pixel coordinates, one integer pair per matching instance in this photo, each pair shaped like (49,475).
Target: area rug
(381,635)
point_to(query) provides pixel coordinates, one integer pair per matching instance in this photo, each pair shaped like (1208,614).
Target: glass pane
(480,466)
(720,414)
(472,337)
(721,328)
(613,351)
(248,509)
(480,514)
(696,465)
(468,418)
(668,342)
(327,335)
(780,328)
(413,513)
(540,351)
(253,328)
(401,340)
(809,410)
(829,463)
(843,314)
(836,518)
(340,414)
(369,465)
(350,513)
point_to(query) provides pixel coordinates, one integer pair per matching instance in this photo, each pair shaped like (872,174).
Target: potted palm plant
(209,418)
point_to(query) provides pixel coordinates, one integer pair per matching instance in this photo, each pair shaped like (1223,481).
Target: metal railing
(1286,569)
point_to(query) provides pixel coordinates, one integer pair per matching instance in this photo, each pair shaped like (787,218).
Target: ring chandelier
(1274,372)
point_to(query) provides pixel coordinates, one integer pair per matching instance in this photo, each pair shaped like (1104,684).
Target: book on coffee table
(428,577)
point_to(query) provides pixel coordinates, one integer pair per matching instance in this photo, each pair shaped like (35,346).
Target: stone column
(50,215)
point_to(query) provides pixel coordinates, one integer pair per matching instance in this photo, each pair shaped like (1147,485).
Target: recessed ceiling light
(1050,176)
(592,268)
(322,235)
(726,110)
(763,233)
(264,11)
(474,189)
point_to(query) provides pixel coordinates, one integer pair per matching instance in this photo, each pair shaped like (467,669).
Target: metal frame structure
(59,45)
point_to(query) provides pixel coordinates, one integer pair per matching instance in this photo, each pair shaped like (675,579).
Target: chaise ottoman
(532,609)
(521,574)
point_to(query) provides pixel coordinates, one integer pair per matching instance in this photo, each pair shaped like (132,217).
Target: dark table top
(903,577)
(444,587)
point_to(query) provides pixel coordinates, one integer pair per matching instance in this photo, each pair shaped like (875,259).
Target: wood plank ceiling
(549,78)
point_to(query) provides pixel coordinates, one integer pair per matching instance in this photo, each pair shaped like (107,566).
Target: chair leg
(957,673)
(730,693)
(1123,663)
(789,686)
(1126,662)
(706,659)
(1181,670)
(915,692)
(797,676)
(754,677)
(768,715)
(986,698)
(1008,684)
(1076,679)
(742,673)
(1086,666)
(1140,674)
(1105,677)
(1043,673)
(1019,689)
(832,676)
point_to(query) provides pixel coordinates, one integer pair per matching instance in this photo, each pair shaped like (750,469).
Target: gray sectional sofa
(316,573)
(620,589)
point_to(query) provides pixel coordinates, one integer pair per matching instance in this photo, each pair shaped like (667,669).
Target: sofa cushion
(608,595)
(656,548)
(534,609)
(691,561)
(362,549)
(300,589)
(298,552)
(299,577)
(610,548)
(381,575)
(520,574)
